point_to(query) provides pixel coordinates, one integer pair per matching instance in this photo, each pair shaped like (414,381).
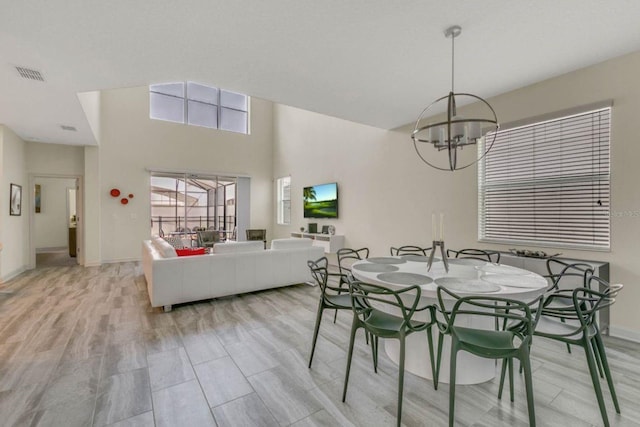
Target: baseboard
(115,261)
(624,333)
(92,264)
(52,249)
(13,274)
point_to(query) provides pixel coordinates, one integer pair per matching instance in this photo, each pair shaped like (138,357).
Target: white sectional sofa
(232,268)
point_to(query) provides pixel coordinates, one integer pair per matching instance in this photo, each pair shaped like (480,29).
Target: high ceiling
(377,62)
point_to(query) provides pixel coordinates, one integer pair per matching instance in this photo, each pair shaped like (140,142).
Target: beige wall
(13,229)
(130,143)
(387,196)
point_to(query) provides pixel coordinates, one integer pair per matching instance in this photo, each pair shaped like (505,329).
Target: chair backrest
(587,301)
(256,234)
(174,241)
(565,275)
(183,230)
(481,254)
(320,273)
(347,256)
(504,311)
(367,297)
(408,250)
(208,237)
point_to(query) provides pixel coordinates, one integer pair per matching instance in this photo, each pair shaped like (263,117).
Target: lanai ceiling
(376,62)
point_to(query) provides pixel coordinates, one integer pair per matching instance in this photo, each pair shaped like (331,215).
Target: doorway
(54,222)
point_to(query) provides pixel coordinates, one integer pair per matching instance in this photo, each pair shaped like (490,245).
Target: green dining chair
(565,275)
(481,254)
(346,257)
(372,305)
(330,296)
(502,343)
(577,325)
(409,250)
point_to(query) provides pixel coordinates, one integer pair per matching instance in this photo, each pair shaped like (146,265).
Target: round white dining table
(465,277)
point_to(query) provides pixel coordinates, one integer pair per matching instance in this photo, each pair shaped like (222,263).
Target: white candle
(441,226)
(433,226)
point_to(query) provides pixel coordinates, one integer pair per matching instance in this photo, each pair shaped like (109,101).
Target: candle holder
(434,245)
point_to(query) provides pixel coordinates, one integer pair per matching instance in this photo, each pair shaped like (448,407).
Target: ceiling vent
(30,74)
(69,128)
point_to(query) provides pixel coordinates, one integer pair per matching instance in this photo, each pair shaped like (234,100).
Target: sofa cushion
(191,251)
(291,243)
(235,247)
(165,249)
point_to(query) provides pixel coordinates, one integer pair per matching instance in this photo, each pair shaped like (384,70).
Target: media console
(330,242)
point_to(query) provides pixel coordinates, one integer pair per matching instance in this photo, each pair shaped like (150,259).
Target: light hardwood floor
(81,347)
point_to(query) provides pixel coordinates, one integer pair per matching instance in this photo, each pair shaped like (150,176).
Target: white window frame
(283,200)
(219,106)
(526,182)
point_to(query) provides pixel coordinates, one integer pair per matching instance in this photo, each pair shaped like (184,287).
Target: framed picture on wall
(38,189)
(15,200)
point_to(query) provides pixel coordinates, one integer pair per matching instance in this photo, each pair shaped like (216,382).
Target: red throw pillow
(191,251)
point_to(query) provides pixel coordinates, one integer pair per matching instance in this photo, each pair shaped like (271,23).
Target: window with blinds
(547,183)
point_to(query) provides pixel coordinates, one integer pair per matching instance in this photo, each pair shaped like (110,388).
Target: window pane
(237,101)
(234,121)
(163,107)
(198,92)
(203,114)
(173,89)
(284,200)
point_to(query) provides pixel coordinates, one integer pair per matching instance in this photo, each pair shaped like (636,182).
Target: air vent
(30,74)
(69,128)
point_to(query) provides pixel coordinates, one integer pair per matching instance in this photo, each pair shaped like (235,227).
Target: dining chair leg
(440,341)
(510,364)
(596,354)
(607,371)
(434,371)
(525,362)
(400,378)
(354,328)
(503,371)
(595,379)
(374,352)
(452,382)
(315,332)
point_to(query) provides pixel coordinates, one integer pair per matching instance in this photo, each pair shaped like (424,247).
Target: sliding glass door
(182,204)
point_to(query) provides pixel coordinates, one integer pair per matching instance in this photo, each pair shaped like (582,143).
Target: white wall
(13,229)
(51,225)
(387,195)
(130,143)
(54,159)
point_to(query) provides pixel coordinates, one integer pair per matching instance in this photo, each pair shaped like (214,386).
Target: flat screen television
(321,201)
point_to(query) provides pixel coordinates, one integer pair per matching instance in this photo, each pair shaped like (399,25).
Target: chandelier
(456,132)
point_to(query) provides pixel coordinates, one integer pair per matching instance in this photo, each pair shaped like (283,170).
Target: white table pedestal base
(470,369)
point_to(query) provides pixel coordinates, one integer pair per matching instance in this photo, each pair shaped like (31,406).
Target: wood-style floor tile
(169,368)
(182,405)
(222,381)
(247,411)
(122,396)
(82,346)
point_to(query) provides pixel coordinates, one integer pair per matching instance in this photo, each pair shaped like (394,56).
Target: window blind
(547,183)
